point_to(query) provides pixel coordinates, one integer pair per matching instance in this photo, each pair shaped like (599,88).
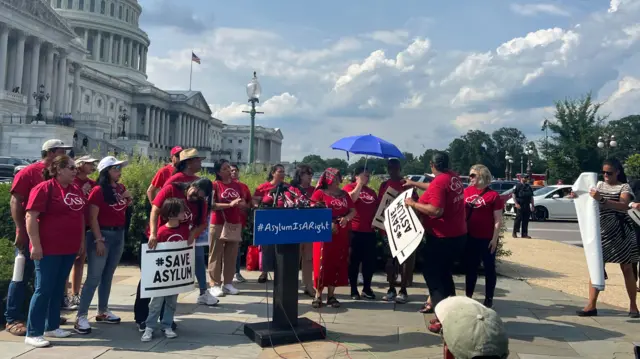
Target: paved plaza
(540,321)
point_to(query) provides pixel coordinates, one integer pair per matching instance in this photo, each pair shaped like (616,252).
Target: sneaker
(67,303)
(107,317)
(147,336)
(262,278)
(238,278)
(390,296)
(216,291)
(402,297)
(58,333)
(207,299)
(82,325)
(355,295)
(230,289)
(37,342)
(368,294)
(169,333)
(76,300)
(360,278)
(141,327)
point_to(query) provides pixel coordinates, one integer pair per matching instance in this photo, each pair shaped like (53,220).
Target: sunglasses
(118,167)
(73,168)
(472,175)
(607,173)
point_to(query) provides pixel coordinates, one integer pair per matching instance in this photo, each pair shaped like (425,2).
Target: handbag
(231,232)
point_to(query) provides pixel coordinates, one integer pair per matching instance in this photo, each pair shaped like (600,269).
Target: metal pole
(191,70)
(252,131)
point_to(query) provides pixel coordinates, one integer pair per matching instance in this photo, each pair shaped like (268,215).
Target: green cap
(471,330)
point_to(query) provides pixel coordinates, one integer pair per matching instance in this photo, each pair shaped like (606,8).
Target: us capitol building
(90,58)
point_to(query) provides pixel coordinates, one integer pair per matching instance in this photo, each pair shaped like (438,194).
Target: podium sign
(291,225)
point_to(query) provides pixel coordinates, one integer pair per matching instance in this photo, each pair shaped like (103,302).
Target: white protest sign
(166,270)
(389,195)
(403,227)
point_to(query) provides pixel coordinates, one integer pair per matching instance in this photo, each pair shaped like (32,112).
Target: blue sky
(417,73)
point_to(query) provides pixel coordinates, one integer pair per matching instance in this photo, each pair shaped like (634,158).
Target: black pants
(439,256)
(522,217)
(141,305)
(363,250)
(477,250)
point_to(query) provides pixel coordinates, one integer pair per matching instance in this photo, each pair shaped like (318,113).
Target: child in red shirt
(174,230)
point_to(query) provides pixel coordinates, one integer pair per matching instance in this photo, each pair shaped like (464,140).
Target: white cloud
(395,37)
(537,9)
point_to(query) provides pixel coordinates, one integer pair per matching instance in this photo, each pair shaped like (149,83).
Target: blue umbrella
(368,145)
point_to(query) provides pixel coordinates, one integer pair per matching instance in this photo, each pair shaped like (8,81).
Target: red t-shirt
(85,185)
(162,176)
(181,177)
(339,206)
(226,193)
(60,220)
(301,197)
(446,192)
(191,208)
(366,206)
(110,215)
(481,222)
(264,192)
(26,180)
(246,195)
(177,234)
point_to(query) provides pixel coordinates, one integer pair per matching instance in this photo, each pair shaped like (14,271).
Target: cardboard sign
(403,227)
(291,225)
(389,195)
(166,270)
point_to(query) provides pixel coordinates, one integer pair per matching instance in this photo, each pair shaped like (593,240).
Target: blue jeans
(155,307)
(51,280)
(16,293)
(100,270)
(201,272)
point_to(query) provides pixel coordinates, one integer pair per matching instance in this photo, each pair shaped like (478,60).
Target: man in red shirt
(164,173)
(443,211)
(188,167)
(25,180)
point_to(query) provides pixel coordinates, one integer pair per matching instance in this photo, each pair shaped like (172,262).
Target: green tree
(316,162)
(627,134)
(511,140)
(473,148)
(338,163)
(573,138)
(632,166)
(414,167)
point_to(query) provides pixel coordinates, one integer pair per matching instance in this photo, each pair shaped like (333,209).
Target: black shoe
(174,326)
(634,315)
(391,295)
(514,235)
(141,327)
(355,296)
(368,294)
(262,278)
(588,313)
(488,302)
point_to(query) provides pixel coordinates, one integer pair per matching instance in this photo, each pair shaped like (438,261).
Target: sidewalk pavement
(540,321)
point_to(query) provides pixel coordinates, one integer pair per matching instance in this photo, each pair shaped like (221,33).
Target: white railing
(13,97)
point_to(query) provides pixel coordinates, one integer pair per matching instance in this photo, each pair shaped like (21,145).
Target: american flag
(195,58)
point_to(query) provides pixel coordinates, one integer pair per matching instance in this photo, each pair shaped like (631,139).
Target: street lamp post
(507,167)
(123,117)
(529,152)
(40,96)
(607,145)
(253,92)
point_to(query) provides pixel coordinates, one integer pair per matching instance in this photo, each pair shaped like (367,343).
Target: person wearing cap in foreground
(86,165)
(164,173)
(188,167)
(108,202)
(24,181)
(470,330)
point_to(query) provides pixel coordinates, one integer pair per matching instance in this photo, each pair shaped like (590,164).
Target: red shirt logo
(339,203)
(455,185)
(366,197)
(479,202)
(229,194)
(121,203)
(75,202)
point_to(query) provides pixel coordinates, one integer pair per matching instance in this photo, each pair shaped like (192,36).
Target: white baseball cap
(85,159)
(55,143)
(470,329)
(110,161)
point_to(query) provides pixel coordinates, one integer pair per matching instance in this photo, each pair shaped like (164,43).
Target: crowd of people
(63,219)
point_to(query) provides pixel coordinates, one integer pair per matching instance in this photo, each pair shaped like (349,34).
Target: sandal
(333,302)
(436,327)
(316,303)
(16,328)
(427,309)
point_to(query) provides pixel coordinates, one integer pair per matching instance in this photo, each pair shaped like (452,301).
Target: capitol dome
(109,31)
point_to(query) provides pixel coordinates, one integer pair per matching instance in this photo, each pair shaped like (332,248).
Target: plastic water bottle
(18,267)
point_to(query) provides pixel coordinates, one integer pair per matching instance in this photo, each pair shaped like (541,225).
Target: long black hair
(217,167)
(104,181)
(182,165)
(615,163)
(274,169)
(301,169)
(357,172)
(440,161)
(201,184)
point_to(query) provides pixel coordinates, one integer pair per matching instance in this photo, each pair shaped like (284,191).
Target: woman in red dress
(330,259)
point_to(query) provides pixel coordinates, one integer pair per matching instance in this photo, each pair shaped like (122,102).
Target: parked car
(13,163)
(506,195)
(551,202)
(426,178)
(502,186)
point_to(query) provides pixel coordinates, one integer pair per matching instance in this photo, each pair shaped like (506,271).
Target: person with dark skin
(523,199)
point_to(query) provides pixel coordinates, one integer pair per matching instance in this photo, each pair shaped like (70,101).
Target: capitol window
(69,4)
(126,15)
(239,141)
(80,4)
(112,106)
(59,4)
(92,6)
(230,141)
(103,7)
(99,103)
(120,13)
(87,99)
(113,9)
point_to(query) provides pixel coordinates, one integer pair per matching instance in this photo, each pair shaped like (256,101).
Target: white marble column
(75,101)
(4,52)
(146,120)
(48,77)
(33,80)
(152,123)
(178,130)
(121,52)
(201,133)
(130,54)
(167,129)
(145,50)
(97,43)
(62,79)
(133,119)
(67,93)
(136,56)
(189,131)
(110,51)
(19,59)
(157,121)
(86,39)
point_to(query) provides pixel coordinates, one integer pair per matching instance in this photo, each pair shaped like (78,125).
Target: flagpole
(191,70)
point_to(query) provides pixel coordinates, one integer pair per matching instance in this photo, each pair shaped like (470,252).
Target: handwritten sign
(389,195)
(168,269)
(403,227)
